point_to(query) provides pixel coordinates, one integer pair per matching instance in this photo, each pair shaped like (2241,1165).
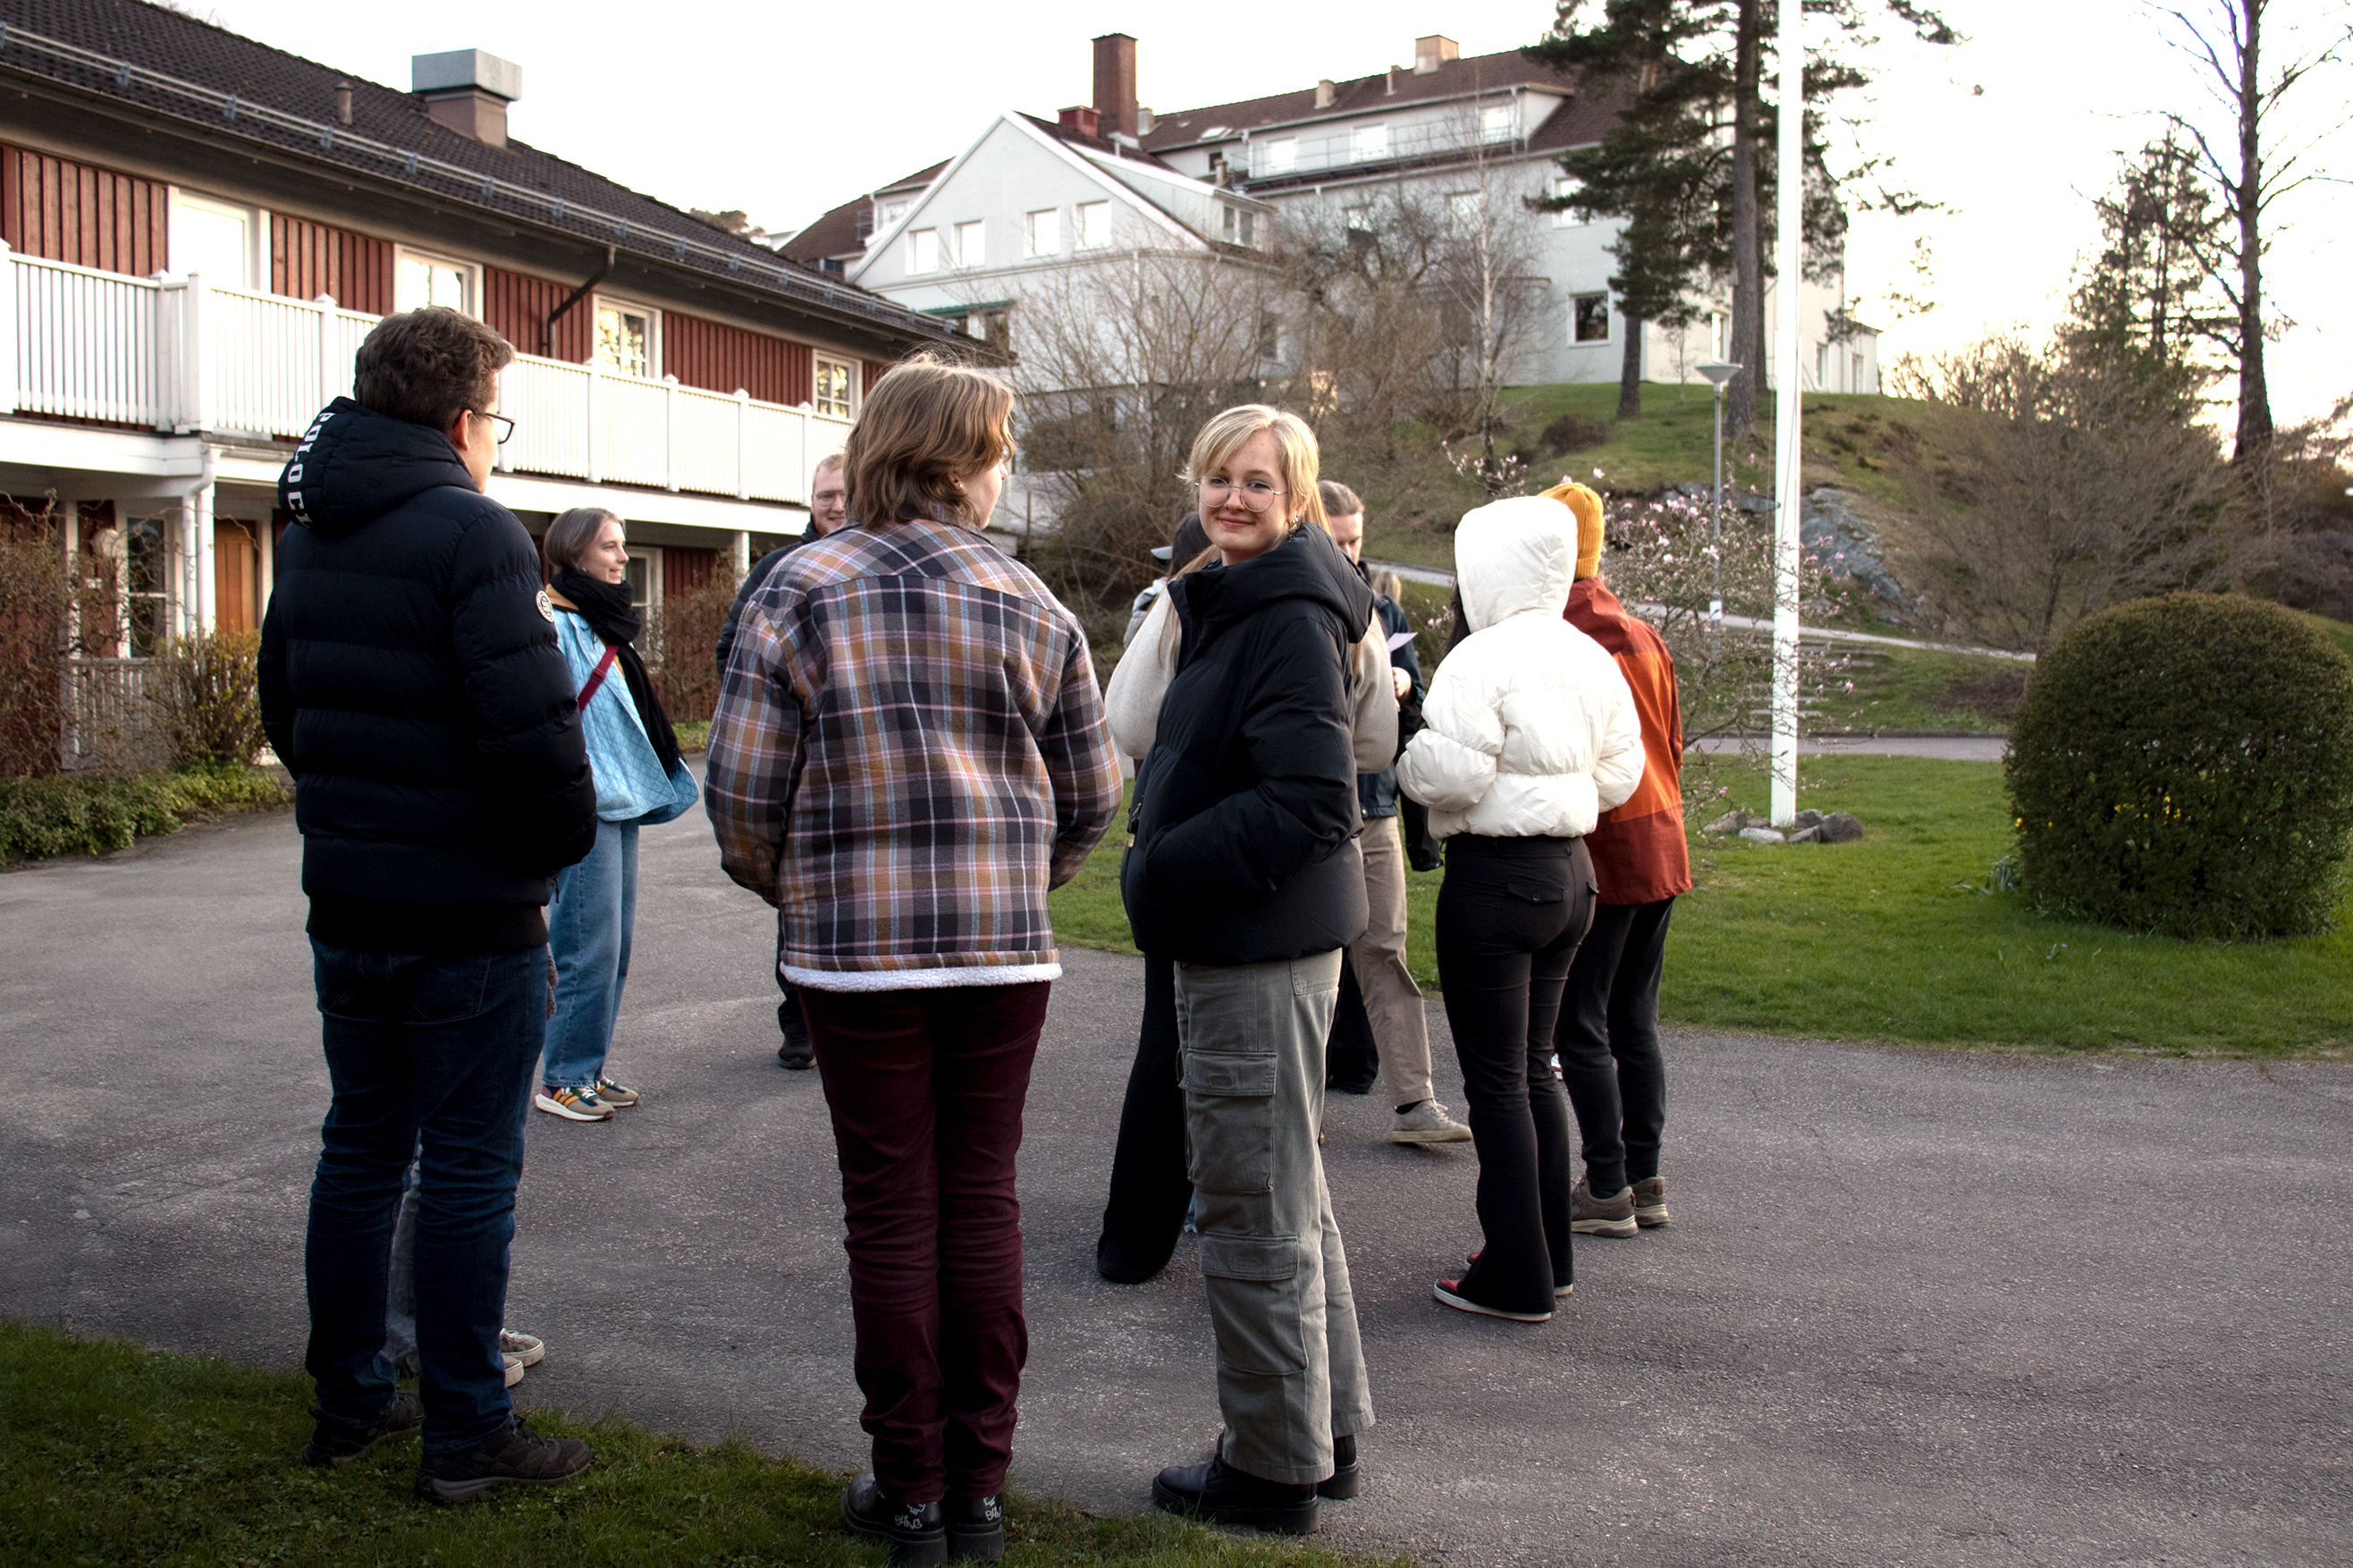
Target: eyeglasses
(505,426)
(1257,494)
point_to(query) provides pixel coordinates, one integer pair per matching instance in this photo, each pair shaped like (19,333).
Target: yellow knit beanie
(1580,500)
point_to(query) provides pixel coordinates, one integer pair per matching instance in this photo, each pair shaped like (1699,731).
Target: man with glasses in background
(829,510)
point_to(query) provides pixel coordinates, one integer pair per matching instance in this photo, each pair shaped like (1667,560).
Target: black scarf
(606,608)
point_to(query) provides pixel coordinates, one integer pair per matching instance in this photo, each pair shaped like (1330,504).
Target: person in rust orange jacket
(1608,1035)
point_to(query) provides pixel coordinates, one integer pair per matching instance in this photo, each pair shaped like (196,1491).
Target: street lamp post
(1718,371)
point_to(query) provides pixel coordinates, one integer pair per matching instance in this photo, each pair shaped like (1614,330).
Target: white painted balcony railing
(1273,154)
(179,354)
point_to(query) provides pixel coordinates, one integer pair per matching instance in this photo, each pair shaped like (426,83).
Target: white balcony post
(742,452)
(673,435)
(739,554)
(7,330)
(203,611)
(327,376)
(196,353)
(502,457)
(595,412)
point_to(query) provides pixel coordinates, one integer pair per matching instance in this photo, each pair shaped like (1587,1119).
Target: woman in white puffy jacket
(1532,735)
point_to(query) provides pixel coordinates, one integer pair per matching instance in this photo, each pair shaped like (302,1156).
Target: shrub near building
(2183,765)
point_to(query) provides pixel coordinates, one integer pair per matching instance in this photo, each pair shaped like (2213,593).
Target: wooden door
(236,575)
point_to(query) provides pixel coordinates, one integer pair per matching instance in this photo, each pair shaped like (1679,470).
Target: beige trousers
(1392,1000)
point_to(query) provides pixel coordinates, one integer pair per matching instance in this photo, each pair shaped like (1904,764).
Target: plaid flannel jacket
(909,751)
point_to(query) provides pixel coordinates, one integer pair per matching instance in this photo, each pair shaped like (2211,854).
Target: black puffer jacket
(1246,817)
(410,678)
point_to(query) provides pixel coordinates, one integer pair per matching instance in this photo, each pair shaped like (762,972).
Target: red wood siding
(869,372)
(687,571)
(516,307)
(721,358)
(308,259)
(65,211)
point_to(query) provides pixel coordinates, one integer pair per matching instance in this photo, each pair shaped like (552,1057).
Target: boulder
(1730,823)
(1841,827)
(1807,835)
(1763,835)
(1809,819)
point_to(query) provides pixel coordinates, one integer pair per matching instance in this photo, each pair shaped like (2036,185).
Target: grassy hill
(1858,441)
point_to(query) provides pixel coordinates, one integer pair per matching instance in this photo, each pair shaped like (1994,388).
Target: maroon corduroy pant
(926,1089)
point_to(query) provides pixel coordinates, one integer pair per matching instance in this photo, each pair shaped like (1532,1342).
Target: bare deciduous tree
(2069,488)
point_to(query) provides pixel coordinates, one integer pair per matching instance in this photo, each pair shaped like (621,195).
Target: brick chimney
(467,90)
(1115,83)
(1080,118)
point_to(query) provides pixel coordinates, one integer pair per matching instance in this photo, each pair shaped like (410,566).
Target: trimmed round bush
(2183,766)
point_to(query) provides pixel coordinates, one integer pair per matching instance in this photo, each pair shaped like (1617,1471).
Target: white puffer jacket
(1532,730)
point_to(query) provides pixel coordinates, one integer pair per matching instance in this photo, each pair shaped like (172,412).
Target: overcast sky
(784,111)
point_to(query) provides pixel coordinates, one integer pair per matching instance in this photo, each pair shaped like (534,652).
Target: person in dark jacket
(1242,867)
(411,682)
(829,510)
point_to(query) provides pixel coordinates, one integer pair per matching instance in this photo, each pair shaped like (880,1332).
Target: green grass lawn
(110,1453)
(1897,938)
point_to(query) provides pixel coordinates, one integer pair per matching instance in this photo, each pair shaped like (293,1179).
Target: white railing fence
(111,724)
(180,354)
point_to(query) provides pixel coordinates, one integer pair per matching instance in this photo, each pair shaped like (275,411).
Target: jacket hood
(1306,567)
(354,465)
(1515,556)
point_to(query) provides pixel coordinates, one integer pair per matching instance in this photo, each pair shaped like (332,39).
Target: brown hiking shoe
(1590,1215)
(516,1456)
(1650,1203)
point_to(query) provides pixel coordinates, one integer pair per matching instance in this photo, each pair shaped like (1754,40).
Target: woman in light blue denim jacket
(639,781)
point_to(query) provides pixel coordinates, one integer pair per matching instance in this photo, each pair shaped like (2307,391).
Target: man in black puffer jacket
(411,681)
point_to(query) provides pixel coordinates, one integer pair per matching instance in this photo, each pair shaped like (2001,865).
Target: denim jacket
(629,783)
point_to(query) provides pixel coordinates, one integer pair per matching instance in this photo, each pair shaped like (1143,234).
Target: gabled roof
(836,233)
(1103,146)
(174,67)
(1360,96)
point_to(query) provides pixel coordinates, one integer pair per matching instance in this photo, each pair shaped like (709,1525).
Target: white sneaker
(525,1350)
(1428,1124)
(515,1370)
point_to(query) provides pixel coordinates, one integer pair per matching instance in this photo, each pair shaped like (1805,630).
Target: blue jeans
(589,929)
(430,1060)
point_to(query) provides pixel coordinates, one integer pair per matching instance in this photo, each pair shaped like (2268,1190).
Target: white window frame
(1093,226)
(652,556)
(1499,122)
(971,243)
(916,264)
(1565,185)
(1045,223)
(256,236)
(603,302)
(1823,367)
(1240,226)
(1368,143)
(848,368)
(1608,319)
(472,274)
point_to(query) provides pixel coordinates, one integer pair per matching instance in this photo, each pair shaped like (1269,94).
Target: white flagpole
(1787,452)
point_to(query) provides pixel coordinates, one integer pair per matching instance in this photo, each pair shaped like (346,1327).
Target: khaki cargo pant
(1291,1368)
(1392,1000)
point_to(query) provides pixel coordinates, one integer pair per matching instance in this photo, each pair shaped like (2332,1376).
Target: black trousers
(1510,915)
(1351,1062)
(1609,1044)
(1150,1193)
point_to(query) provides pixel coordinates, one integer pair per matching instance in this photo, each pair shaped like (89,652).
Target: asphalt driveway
(1916,1307)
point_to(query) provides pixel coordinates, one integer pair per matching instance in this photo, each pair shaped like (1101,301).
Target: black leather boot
(975,1528)
(916,1532)
(1345,1480)
(1217,1494)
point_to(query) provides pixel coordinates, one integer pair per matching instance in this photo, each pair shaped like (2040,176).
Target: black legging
(1150,1192)
(1510,915)
(1608,1043)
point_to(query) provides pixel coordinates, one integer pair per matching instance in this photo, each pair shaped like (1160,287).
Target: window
(1282,156)
(213,238)
(887,213)
(923,250)
(1466,210)
(1589,319)
(638,577)
(1499,122)
(1270,335)
(992,325)
(833,388)
(624,338)
(421,280)
(1367,144)
(1856,383)
(1564,188)
(1045,232)
(1241,225)
(1822,367)
(147,575)
(972,244)
(1094,224)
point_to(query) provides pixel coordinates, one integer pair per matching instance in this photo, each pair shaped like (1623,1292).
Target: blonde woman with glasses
(1243,869)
